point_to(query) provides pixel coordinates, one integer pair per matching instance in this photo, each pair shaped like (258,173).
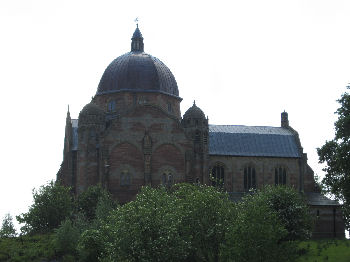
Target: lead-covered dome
(194,112)
(138,71)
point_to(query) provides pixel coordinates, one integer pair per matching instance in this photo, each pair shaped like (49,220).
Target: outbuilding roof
(262,141)
(317,199)
(312,198)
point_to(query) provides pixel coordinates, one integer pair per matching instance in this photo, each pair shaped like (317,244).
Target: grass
(325,250)
(26,248)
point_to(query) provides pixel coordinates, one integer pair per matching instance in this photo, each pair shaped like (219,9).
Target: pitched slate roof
(312,198)
(317,199)
(231,140)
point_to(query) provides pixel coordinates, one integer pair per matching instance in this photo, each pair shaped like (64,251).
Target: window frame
(249,177)
(280,176)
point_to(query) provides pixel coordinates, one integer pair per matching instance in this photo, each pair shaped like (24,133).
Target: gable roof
(266,141)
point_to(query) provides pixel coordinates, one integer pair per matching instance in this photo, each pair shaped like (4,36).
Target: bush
(91,245)
(66,238)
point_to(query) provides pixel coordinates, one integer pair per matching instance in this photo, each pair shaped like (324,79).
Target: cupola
(194,116)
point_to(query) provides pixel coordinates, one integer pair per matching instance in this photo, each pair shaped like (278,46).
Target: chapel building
(132,134)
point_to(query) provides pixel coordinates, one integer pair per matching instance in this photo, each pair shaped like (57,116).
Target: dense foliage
(291,209)
(336,155)
(201,223)
(52,204)
(88,202)
(182,223)
(256,233)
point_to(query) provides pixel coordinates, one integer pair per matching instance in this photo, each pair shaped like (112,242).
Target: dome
(137,71)
(91,109)
(194,112)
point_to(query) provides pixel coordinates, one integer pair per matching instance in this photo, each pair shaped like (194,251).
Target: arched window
(125,178)
(170,109)
(217,175)
(249,178)
(167,178)
(280,176)
(164,179)
(112,106)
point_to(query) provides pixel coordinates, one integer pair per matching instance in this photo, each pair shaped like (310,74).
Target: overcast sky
(244,62)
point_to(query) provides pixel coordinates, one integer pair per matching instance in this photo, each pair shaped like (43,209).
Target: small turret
(284,119)
(137,41)
(194,117)
(196,125)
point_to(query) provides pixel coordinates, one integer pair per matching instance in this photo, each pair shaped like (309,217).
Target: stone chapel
(132,134)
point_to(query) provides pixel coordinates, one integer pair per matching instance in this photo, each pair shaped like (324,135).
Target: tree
(291,209)
(255,234)
(52,204)
(66,238)
(206,213)
(94,199)
(7,228)
(336,155)
(146,229)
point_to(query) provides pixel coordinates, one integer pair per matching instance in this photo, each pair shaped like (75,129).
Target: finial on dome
(137,39)
(194,102)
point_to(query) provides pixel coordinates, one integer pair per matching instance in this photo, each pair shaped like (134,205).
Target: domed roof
(138,71)
(194,112)
(91,109)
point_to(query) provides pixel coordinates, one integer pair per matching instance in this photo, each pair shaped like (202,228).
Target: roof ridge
(246,126)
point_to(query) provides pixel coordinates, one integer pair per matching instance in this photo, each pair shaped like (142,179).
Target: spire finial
(194,102)
(68,114)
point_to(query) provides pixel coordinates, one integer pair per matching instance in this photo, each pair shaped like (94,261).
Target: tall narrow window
(197,137)
(280,176)
(167,178)
(125,178)
(218,175)
(170,109)
(249,178)
(112,106)
(164,179)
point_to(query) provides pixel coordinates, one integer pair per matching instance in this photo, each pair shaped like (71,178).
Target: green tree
(206,212)
(7,229)
(94,199)
(255,234)
(52,204)
(66,238)
(336,155)
(146,229)
(291,209)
